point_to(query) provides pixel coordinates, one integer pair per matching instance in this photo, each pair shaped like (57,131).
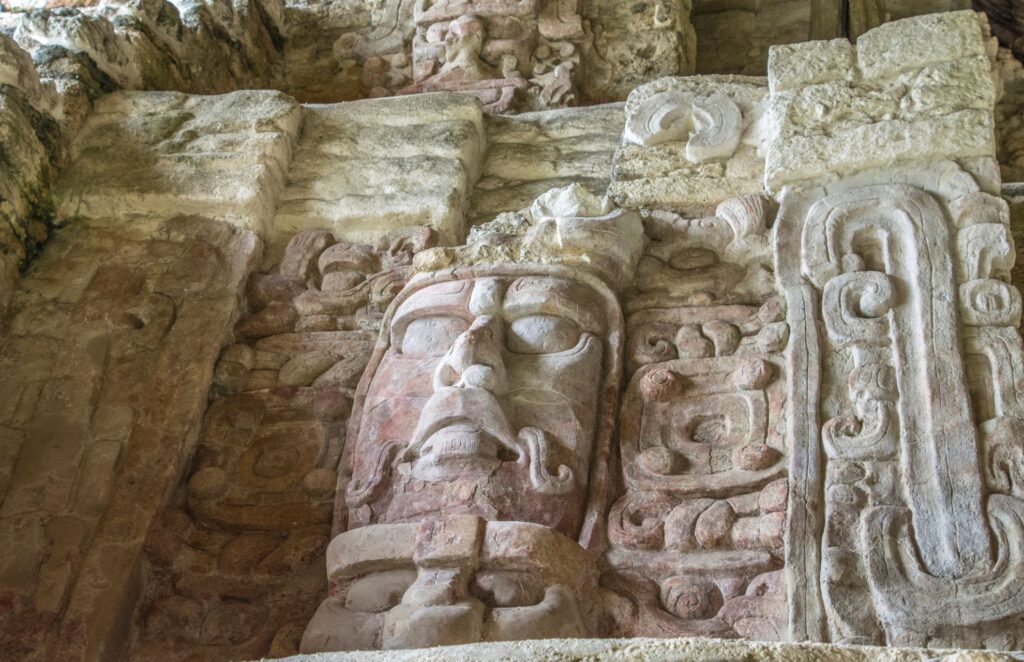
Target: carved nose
(474,360)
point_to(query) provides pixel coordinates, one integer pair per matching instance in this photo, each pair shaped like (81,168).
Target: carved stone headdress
(567,226)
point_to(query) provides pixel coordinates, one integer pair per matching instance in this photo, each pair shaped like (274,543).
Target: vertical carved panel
(697,532)
(914,379)
(236,566)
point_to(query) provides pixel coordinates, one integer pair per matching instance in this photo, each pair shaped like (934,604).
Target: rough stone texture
(530,153)
(359,168)
(32,143)
(1007,22)
(733,36)
(765,389)
(485,416)
(864,15)
(657,650)
(634,43)
(107,354)
(225,156)
(883,270)
(189,46)
(912,89)
(691,143)
(1009,116)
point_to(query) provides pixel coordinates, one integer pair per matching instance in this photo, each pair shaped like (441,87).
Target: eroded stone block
(364,169)
(690,143)
(143,155)
(908,93)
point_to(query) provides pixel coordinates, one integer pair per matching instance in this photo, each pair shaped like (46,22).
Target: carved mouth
(459,441)
(461,433)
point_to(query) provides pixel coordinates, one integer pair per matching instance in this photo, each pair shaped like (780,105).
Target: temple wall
(512,323)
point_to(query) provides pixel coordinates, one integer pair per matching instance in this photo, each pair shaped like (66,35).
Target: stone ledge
(652,650)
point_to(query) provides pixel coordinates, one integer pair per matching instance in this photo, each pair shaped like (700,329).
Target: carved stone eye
(432,336)
(542,334)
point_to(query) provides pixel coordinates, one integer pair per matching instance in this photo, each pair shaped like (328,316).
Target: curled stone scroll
(922,523)
(711,125)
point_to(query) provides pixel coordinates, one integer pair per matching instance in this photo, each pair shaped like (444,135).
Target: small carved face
(485,403)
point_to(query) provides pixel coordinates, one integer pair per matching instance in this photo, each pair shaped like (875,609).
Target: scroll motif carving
(696,534)
(711,126)
(923,446)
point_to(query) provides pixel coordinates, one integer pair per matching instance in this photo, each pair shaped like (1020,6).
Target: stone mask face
(485,402)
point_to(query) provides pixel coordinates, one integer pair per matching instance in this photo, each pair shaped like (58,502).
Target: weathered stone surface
(142,153)
(257,507)
(634,43)
(733,36)
(107,353)
(657,650)
(864,15)
(1005,19)
(363,169)
(188,46)
(32,148)
(885,269)
(489,398)
(899,97)
(696,364)
(697,533)
(531,153)
(690,143)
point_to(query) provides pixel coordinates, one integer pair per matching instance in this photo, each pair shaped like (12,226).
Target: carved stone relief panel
(461,579)
(691,143)
(696,533)
(524,53)
(484,402)
(917,449)
(485,418)
(236,567)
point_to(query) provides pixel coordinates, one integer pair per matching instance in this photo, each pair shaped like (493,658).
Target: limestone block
(530,153)
(908,45)
(808,63)
(363,169)
(144,156)
(918,88)
(690,143)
